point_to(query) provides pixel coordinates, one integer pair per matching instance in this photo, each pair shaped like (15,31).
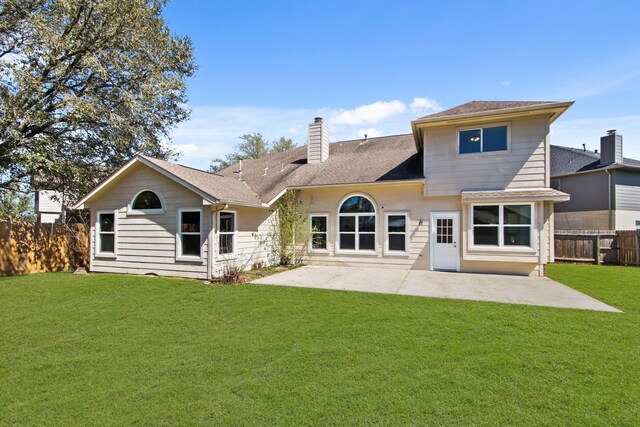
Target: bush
(231,274)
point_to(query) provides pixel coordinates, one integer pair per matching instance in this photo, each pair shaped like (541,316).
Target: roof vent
(584,147)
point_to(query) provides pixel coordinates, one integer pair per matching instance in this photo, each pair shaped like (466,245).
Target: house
(467,190)
(48,206)
(604,187)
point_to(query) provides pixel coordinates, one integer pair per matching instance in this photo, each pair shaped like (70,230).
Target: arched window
(147,201)
(357,224)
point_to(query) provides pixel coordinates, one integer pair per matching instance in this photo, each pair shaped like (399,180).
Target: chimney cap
(317,120)
(611,132)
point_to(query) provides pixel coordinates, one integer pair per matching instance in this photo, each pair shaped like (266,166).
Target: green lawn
(106,349)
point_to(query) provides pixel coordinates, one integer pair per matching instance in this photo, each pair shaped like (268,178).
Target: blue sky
(373,66)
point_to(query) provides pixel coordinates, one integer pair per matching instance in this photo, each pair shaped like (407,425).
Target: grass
(113,350)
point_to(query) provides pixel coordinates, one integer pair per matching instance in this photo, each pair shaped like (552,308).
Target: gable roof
(483,107)
(375,160)
(568,160)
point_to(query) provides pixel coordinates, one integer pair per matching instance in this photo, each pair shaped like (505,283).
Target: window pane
(227,220)
(107,243)
(226,244)
(367,242)
(319,223)
(494,139)
(191,244)
(347,241)
(396,223)
(356,204)
(347,223)
(106,222)
(517,236)
(397,242)
(486,214)
(367,223)
(469,141)
(485,236)
(319,241)
(147,200)
(517,214)
(191,222)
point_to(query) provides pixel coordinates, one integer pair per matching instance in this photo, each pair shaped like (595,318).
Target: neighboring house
(467,190)
(48,206)
(604,187)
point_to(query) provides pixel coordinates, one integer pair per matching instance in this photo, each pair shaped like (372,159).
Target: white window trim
(179,256)
(387,251)
(97,251)
(483,153)
(357,250)
(311,249)
(232,255)
(533,230)
(131,211)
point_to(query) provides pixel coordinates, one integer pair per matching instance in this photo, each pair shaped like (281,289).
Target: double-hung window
(357,225)
(318,232)
(483,140)
(503,225)
(396,232)
(106,234)
(189,234)
(226,232)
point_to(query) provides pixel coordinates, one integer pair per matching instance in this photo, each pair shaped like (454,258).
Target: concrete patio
(540,291)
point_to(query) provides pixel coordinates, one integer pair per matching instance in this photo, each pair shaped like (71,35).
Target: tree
(253,146)
(84,86)
(16,206)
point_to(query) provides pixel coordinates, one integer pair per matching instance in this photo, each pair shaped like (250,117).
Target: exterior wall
(410,199)
(521,167)
(48,205)
(147,243)
(252,228)
(627,190)
(627,220)
(587,220)
(589,192)
(48,218)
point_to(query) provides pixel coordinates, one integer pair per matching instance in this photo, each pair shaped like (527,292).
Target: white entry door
(445,233)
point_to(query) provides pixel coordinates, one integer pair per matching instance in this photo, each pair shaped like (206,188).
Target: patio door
(445,236)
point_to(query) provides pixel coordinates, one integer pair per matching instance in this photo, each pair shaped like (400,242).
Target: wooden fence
(27,247)
(598,247)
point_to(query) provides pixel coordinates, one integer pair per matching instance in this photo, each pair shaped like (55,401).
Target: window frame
(311,233)
(219,233)
(387,232)
(481,128)
(501,225)
(132,211)
(179,233)
(98,240)
(356,233)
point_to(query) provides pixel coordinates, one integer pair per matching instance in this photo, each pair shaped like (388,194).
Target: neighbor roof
(375,160)
(568,160)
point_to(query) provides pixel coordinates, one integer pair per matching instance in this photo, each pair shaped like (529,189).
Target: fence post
(597,251)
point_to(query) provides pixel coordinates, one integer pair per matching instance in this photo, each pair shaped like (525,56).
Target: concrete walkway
(478,287)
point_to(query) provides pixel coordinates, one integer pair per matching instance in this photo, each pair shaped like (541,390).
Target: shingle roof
(520,194)
(389,158)
(483,106)
(568,160)
(221,188)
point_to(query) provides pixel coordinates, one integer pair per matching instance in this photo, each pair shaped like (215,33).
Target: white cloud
(424,105)
(506,83)
(370,113)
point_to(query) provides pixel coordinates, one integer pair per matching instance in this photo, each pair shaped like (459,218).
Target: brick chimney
(611,148)
(318,142)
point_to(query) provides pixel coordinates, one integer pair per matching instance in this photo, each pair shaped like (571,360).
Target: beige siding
(147,243)
(521,167)
(627,220)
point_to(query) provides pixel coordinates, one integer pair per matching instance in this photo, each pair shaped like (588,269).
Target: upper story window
(357,225)
(146,201)
(483,140)
(502,225)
